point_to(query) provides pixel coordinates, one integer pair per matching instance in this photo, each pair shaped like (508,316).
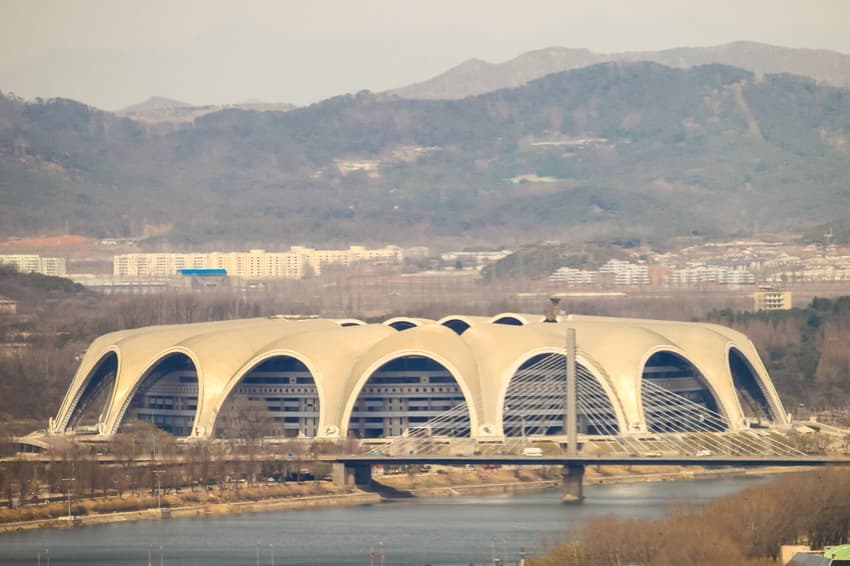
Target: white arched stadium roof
(341,354)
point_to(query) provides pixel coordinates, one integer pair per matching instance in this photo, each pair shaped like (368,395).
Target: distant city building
(476,259)
(346,166)
(253,264)
(829,556)
(32,263)
(626,273)
(416,251)
(570,276)
(772,300)
(201,279)
(615,271)
(8,306)
(720,275)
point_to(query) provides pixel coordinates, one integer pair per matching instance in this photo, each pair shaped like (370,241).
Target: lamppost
(158,488)
(271,553)
(68,492)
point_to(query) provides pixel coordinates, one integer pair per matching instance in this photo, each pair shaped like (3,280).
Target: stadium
(500,377)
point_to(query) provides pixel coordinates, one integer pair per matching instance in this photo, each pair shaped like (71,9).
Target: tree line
(745,529)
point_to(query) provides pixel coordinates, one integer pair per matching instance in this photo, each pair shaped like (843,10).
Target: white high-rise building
(32,263)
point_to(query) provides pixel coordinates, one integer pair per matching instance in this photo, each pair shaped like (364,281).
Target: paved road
(741,461)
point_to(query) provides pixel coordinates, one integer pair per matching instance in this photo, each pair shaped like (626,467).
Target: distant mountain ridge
(608,150)
(158,109)
(475,76)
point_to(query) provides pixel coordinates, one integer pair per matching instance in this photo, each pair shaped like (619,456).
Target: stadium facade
(335,379)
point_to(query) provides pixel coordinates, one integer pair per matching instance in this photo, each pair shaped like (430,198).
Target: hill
(158,109)
(615,149)
(153,104)
(477,77)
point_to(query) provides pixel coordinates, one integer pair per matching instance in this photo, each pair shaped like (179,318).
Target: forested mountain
(614,148)
(477,77)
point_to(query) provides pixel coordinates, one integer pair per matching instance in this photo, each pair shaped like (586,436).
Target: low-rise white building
(571,276)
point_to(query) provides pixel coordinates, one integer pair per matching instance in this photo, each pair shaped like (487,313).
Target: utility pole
(570,418)
(68,492)
(158,488)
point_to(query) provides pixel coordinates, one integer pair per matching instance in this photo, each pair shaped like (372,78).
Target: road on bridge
(720,460)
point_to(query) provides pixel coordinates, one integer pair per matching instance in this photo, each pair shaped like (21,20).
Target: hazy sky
(112,53)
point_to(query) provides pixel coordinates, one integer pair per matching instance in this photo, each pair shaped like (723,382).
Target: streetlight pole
(68,492)
(158,488)
(271,553)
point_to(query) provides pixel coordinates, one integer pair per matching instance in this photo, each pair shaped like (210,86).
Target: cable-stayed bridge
(679,431)
(535,413)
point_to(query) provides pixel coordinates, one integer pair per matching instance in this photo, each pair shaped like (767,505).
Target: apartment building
(253,264)
(772,300)
(719,275)
(32,263)
(570,276)
(626,273)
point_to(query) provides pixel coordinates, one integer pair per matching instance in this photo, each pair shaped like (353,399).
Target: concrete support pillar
(573,483)
(352,475)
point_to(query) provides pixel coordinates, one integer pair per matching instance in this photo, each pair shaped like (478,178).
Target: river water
(444,531)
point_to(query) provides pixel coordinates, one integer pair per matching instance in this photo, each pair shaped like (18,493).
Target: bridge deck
(742,461)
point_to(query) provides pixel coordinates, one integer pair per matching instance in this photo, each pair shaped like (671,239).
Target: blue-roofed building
(205,278)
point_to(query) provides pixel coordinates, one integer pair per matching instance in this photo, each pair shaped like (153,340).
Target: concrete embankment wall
(282,504)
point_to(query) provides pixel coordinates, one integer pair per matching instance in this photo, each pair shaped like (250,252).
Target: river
(444,531)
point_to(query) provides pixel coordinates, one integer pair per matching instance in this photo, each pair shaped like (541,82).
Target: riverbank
(442,483)
(685,473)
(353,498)
(483,482)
